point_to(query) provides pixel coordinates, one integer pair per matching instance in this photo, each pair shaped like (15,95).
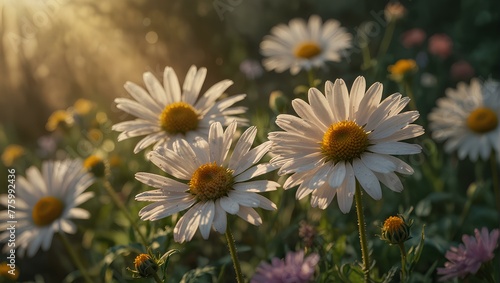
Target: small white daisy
(340,139)
(167,113)
(215,182)
(468,121)
(302,45)
(45,201)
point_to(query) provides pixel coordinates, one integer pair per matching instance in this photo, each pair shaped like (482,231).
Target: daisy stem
(362,233)
(157,279)
(234,255)
(496,184)
(75,258)
(403,261)
(407,87)
(121,206)
(310,77)
(386,40)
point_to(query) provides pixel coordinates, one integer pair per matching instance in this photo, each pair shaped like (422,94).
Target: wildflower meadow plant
(168,113)
(396,106)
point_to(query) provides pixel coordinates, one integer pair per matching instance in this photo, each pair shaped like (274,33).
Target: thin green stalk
(407,87)
(157,279)
(496,185)
(362,233)
(386,40)
(310,77)
(234,255)
(75,258)
(403,261)
(122,207)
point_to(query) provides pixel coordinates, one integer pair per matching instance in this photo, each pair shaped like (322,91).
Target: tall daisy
(302,45)
(212,182)
(340,139)
(45,201)
(168,113)
(468,121)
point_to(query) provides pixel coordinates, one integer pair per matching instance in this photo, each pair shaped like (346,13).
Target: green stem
(403,261)
(407,87)
(234,255)
(310,78)
(362,233)
(122,207)
(386,40)
(75,258)
(496,185)
(157,279)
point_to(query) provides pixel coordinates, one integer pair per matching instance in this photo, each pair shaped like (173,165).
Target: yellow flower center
(210,182)
(6,272)
(344,141)
(307,50)
(402,67)
(46,210)
(393,224)
(482,120)
(179,118)
(59,118)
(91,161)
(11,154)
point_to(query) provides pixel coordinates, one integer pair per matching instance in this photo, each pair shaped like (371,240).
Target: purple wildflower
(294,269)
(468,257)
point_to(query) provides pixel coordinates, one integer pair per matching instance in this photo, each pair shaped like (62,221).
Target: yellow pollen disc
(393,224)
(210,182)
(307,50)
(46,210)
(91,162)
(482,120)
(179,118)
(344,141)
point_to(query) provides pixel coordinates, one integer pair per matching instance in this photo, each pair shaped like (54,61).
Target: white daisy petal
(337,175)
(229,205)
(367,179)
(250,215)
(185,229)
(398,148)
(220,218)
(207,217)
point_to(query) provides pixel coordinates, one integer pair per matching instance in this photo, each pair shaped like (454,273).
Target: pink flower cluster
(468,257)
(294,269)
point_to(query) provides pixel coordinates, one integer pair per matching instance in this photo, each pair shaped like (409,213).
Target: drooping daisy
(167,113)
(302,45)
(468,121)
(215,182)
(45,201)
(340,139)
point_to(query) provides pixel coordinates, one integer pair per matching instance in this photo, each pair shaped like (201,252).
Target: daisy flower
(341,139)
(302,45)
(468,121)
(167,113)
(215,182)
(45,202)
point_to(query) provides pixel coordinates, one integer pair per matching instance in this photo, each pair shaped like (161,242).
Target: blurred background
(55,51)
